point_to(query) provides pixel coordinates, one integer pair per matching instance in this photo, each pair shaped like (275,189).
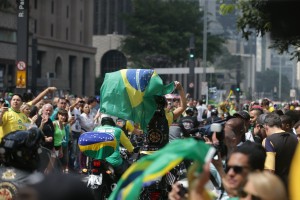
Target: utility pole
(204,40)
(238,89)
(280,72)
(203,80)
(22,44)
(192,66)
(34,65)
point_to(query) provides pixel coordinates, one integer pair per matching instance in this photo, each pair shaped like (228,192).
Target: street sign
(204,88)
(292,93)
(21,79)
(21,65)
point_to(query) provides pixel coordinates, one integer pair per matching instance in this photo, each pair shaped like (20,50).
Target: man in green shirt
(108,125)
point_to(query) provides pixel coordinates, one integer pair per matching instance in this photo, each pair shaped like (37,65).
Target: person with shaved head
(234,133)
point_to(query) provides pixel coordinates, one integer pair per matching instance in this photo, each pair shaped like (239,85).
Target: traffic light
(192,53)
(238,89)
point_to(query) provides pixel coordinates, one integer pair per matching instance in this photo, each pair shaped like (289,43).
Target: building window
(35,26)
(58,67)
(112,61)
(80,15)
(67,12)
(8,36)
(52,7)
(51,30)
(67,33)
(80,37)
(35,4)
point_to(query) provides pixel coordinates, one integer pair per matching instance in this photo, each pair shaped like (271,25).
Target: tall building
(109,29)
(65,55)
(108,16)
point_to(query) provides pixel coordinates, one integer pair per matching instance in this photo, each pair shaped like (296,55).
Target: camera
(183,189)
(218,128)
(5,105)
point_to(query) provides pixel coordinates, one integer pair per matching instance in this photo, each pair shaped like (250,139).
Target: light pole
(192,66)
(204,55)
(204,40)
(22,44)
(280,72)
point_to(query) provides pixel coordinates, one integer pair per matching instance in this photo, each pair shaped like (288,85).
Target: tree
(280,18)
(160,33)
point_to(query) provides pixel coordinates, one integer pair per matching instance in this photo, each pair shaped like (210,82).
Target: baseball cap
(242,114)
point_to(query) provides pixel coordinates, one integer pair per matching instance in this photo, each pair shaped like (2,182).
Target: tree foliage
(276,17)
(160,33)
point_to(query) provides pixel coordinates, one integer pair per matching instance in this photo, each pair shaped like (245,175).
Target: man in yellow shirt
(13,119)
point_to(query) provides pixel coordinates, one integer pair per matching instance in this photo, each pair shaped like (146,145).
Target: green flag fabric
(153,166)
(129,94)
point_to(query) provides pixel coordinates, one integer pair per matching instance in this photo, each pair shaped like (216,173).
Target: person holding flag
(142,92)
(130,94)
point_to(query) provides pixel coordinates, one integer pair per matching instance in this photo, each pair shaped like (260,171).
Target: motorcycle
(160,188)
(100,178)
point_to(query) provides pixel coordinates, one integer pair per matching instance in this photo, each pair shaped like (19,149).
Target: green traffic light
(237,89)
(191,55)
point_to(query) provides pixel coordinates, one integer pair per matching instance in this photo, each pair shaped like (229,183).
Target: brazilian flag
(150,167)
(129,94)
(99,144)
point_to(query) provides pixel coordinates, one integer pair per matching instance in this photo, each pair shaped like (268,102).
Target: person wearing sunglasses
(246,158)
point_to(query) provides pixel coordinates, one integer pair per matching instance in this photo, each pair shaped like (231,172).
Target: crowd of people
(61,120)
(259,139)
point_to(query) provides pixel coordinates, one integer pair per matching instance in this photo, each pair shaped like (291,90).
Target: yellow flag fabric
(150,167)
(294,179)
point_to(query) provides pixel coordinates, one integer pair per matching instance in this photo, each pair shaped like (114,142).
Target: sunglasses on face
(236,169)
(244,194)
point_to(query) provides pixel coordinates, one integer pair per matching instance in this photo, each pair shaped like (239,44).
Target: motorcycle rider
(214,117)
(189,123)
(108,125)
(22,160)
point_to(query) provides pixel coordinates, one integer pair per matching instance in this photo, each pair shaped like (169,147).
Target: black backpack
(157,130)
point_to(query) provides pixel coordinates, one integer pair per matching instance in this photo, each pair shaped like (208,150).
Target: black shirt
(48,130)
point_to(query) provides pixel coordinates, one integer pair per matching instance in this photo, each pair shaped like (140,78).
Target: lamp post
(192,65)
(203,82)
(280,77)
(204,40)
